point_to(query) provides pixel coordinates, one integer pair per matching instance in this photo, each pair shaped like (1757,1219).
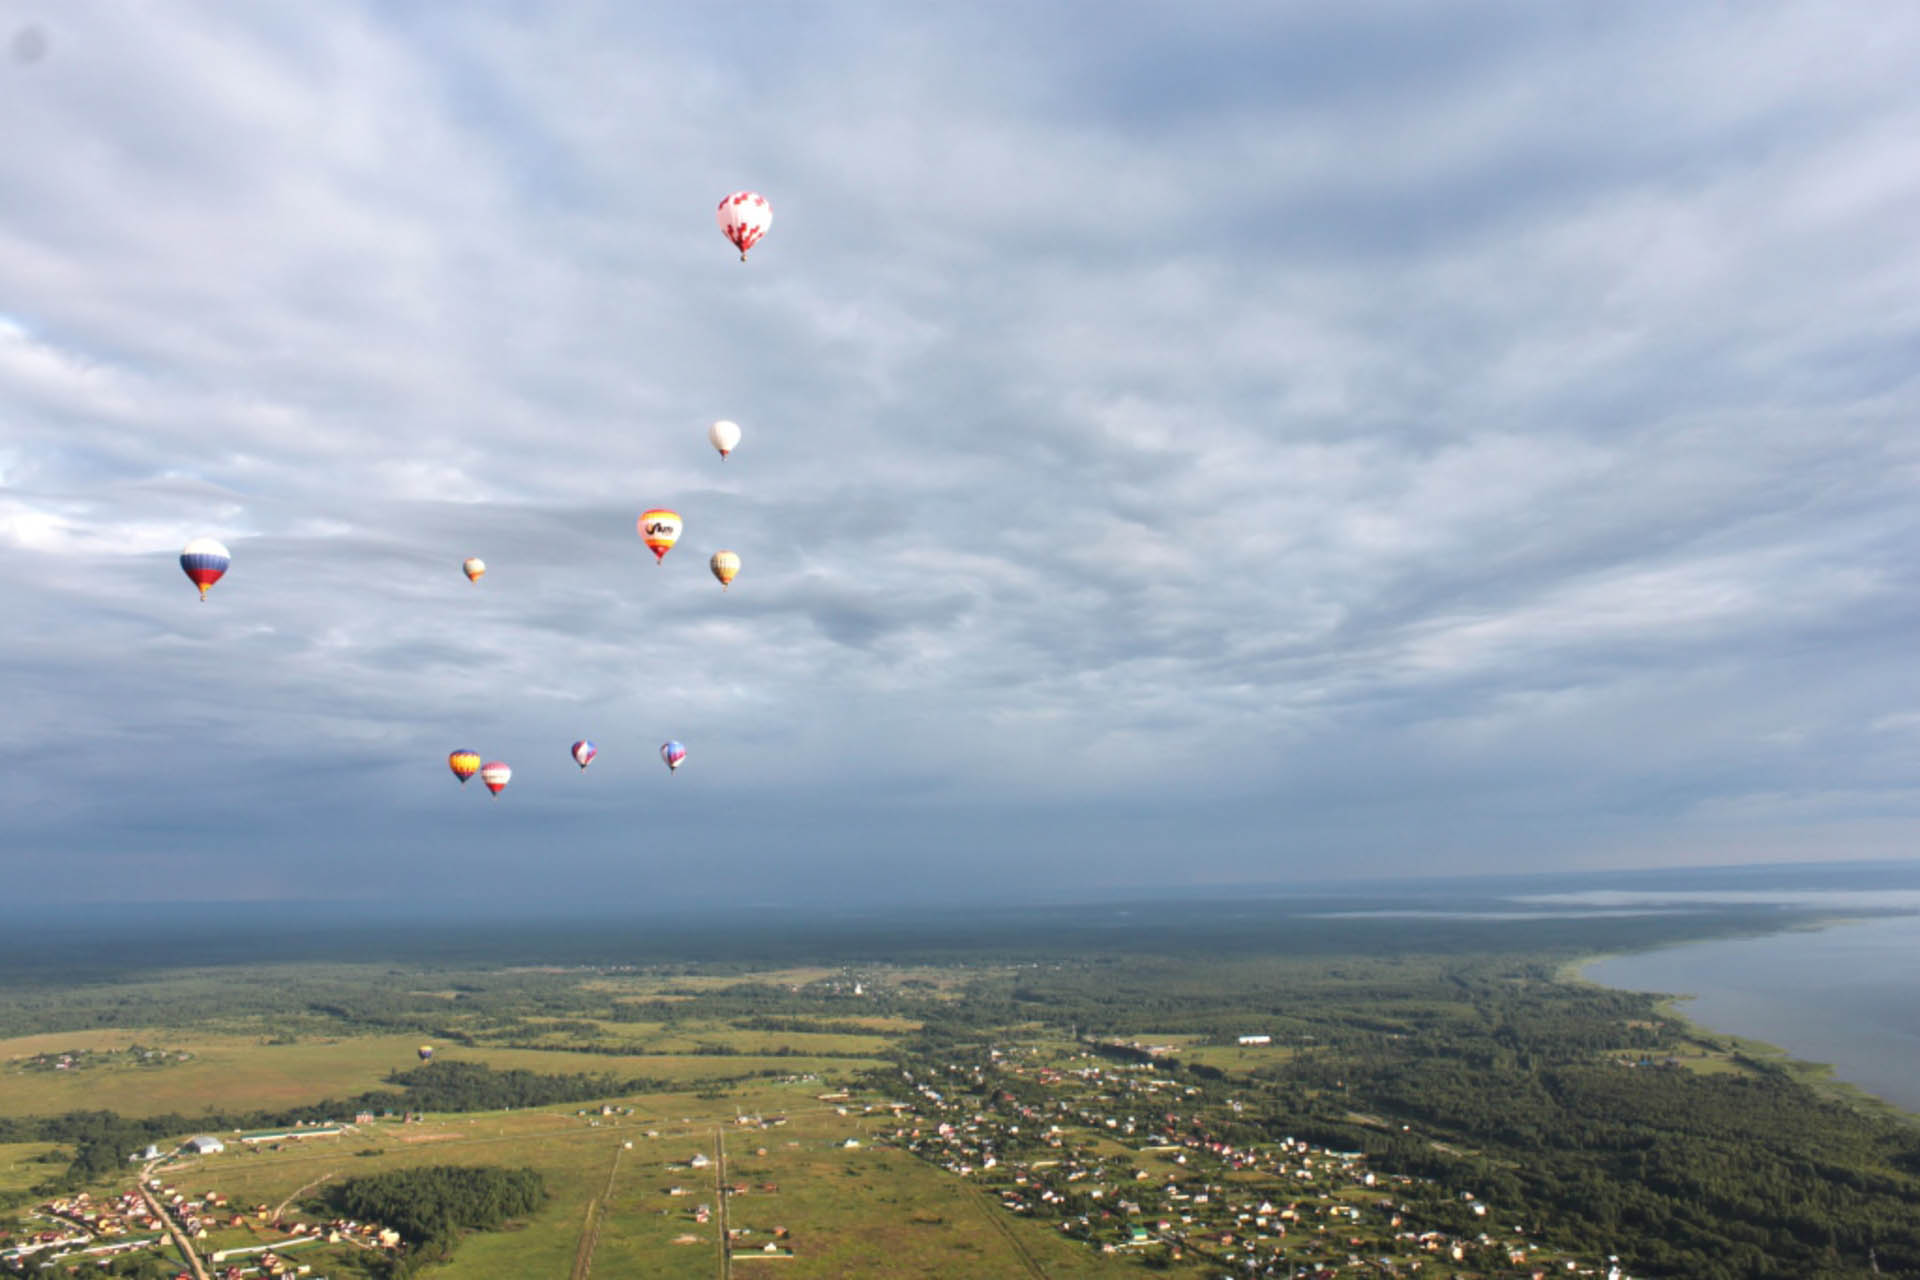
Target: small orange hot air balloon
(659,529)
(724,564)
(475,568)
(464,764)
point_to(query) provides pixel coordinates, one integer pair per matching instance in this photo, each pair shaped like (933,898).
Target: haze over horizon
(1198,447)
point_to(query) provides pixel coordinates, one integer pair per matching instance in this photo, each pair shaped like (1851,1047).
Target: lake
(1848,995)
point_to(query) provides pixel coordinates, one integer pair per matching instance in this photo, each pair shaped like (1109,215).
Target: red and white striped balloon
(744,217)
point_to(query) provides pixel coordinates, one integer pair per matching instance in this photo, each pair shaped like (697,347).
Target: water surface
(1848,995)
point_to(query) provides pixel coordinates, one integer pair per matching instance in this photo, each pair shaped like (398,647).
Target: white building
(204,1146)
(1256,1040)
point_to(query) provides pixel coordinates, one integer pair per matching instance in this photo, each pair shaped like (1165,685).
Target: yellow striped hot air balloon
(724,565)
(464,764)
(659,529)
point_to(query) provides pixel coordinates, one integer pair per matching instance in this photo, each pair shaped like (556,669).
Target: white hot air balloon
(725,436)
(744,217)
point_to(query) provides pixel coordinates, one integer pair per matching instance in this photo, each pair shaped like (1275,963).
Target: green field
(243,1073)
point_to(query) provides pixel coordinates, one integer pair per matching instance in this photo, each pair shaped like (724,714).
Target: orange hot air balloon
(464,764)
(724,564)
(659,529)
(475,568)
(496,775)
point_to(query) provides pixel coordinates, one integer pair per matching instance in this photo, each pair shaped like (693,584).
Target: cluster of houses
(1131,1158)
(143,1218)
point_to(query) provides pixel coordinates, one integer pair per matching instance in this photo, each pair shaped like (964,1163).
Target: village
(159,1219)
(1129,1157)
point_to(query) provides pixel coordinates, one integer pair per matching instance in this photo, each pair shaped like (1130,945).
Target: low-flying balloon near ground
(475,568)
(464,764)
(673,753)
(426,1053)
(744,217)
(659,529)
(584,752)
(205,562)
(725,436)
(496,775)
(725,564)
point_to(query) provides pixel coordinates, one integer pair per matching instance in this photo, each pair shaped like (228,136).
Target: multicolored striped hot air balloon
(584,752)
(475,568)
(496,775)
(464,764)
(673,753)
(659,529)
(725,564)
(205,562)
(744,217)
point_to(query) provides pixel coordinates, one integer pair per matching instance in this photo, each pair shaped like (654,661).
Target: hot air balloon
(426,1053)
(673,753)
(464,764)
(744,217)
(204,561)
(660,529)
(724,565)
(725,436)
(475,568)
(496,775)
(584,752)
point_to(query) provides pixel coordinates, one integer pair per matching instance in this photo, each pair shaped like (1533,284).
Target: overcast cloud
(1183,444)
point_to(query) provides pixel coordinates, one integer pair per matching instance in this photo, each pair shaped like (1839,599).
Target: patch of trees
(431,1206)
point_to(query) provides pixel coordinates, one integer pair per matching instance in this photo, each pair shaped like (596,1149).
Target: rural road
(166,1219)
(720,1199)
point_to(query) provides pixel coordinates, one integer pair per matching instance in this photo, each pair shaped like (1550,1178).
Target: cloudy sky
(1183,444)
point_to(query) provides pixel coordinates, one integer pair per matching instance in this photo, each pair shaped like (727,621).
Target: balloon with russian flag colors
(205,562)
(584,752)
(673,753)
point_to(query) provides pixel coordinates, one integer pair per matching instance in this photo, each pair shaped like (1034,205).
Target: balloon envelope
(426,1052)
(673,753)
(464,764)
(744,217)
(496,775)
(659,529)
(725,564)
(584,752)
(475,568)
(204,561)
(725,436)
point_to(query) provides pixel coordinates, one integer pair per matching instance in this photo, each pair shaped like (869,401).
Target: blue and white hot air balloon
(204,561)
(673,753)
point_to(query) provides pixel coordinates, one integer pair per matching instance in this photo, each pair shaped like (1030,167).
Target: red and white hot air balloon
(496,775)
(744,217)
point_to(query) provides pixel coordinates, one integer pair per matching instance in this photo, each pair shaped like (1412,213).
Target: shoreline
(1819,1076)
